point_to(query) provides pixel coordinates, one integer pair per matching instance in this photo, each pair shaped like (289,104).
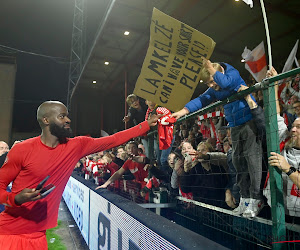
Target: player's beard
(60,132)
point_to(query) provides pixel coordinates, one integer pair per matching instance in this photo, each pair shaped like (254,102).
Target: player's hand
(26,195)
(152,121)
(180,113)
(277,160)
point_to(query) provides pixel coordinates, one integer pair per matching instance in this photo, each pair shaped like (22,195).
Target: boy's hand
(180,113)
(208,65)
(251,103)
(243,87)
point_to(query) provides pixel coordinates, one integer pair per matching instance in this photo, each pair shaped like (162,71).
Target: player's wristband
(292,170)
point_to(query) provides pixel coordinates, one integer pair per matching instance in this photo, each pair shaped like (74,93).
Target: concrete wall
(8,69)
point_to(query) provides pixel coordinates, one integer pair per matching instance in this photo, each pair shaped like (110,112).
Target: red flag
(255,61)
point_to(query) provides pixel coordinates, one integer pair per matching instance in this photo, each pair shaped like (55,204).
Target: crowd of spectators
(198,165)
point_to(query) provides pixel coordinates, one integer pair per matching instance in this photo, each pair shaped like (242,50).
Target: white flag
(255,61)
(292,57)
(249,2)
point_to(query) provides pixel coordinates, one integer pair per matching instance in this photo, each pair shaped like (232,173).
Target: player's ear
(45,120)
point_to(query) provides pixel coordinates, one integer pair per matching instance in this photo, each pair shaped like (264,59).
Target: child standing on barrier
(223,81)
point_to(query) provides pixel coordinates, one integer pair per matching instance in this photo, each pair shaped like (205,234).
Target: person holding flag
(223,81)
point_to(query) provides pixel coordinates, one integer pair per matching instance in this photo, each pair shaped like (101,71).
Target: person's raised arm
(180,113)
(270,73)
(196,104)
(251,103)
(277,160)
(209,66)
(116,176)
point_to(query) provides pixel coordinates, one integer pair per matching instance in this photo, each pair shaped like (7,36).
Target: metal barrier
(108,221)
(280,230)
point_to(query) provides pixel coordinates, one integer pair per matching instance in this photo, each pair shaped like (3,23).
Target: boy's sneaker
(253,208)
(244,202)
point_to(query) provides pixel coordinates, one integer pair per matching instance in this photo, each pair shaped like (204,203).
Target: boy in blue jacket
(223,81)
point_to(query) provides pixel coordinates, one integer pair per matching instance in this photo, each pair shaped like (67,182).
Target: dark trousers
(247,159)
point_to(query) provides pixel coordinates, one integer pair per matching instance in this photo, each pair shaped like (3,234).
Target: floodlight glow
(237,0)
(94,82)
(106,63)
(126,33)
(201,81)
(243,60)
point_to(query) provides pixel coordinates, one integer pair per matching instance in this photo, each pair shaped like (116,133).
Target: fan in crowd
(223,81)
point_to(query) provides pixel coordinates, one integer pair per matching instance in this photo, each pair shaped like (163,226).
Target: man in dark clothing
(137,110)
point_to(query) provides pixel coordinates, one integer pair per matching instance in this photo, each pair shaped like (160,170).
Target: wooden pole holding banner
(267,32)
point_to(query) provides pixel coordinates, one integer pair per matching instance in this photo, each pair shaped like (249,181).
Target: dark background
(45,27)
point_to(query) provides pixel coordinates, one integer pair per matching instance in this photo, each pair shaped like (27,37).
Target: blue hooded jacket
(237,112)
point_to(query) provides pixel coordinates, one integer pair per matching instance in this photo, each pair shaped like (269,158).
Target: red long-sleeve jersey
(31,161)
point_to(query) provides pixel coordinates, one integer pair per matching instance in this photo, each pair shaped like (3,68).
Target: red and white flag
(249,2)
(209,115)
(291,59)
(255,61)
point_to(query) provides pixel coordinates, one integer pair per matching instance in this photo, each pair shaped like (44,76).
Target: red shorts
(33,241)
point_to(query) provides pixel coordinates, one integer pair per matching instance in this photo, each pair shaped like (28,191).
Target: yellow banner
(170,72)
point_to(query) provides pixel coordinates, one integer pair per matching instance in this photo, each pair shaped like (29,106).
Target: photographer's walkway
(68,231)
